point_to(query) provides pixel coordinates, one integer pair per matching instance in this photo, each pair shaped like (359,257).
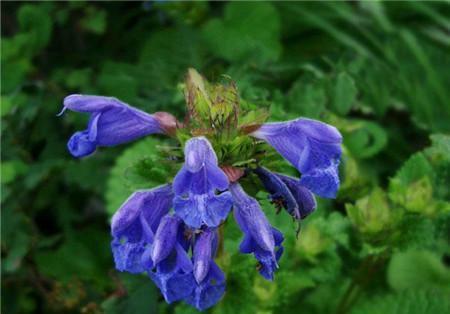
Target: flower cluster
(171,232)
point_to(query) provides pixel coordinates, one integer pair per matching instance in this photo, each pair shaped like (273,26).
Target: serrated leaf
(408,302)
(306,99)
(414,169)
(344,93)
(137,167)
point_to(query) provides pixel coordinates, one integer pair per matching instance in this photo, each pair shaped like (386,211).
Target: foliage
(376,70)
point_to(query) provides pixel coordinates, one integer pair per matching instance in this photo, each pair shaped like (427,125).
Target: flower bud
(372,214)
(165,238)
(210,106)
(313,241)
(417,197)
(203,254)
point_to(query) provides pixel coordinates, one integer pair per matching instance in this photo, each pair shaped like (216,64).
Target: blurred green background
(378,71)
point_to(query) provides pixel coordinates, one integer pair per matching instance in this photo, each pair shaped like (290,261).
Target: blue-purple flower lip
(313,147)
(196,184)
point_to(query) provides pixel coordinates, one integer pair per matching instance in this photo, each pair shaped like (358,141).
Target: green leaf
(365,139)
(35,21)
(247,32)
(419,185)
(79,258)
(11,170)
(240,270)
(119,80)
(320,235)
(344,93)
(415,197)
(408,302)
(356,180)
(141,297)
(94,21)
(306,99)
(372,214)
(414,168)
(16,239)
(418,270)
(79,79)
(439,157)
(138,167)
(166,55)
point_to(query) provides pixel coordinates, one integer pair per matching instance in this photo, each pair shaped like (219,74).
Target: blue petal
(134,224)
(251,218)
(128,247)
(304,198)
(209,209)
(279,191)
(197,184)
(188,209)
(153,204)
(268,264)
(210,291)
(313,147)
(204,251)
(165,238)
(260,238)
(79,144)
(198,152)
(173,276)
(112,122)
(323,182)
(174,287)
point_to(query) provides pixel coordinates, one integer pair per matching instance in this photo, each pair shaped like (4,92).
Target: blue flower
(173,267)
(305,199)
(210,280)
(288,192)
(199,186)
(134,224)
(260,238)
(280,194)
(112,122)
(177,248)
(313,147)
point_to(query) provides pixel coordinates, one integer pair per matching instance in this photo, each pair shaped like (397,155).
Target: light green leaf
(12,169)
(372,214)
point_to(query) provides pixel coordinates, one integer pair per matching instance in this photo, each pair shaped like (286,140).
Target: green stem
(353,290)
(369,267)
